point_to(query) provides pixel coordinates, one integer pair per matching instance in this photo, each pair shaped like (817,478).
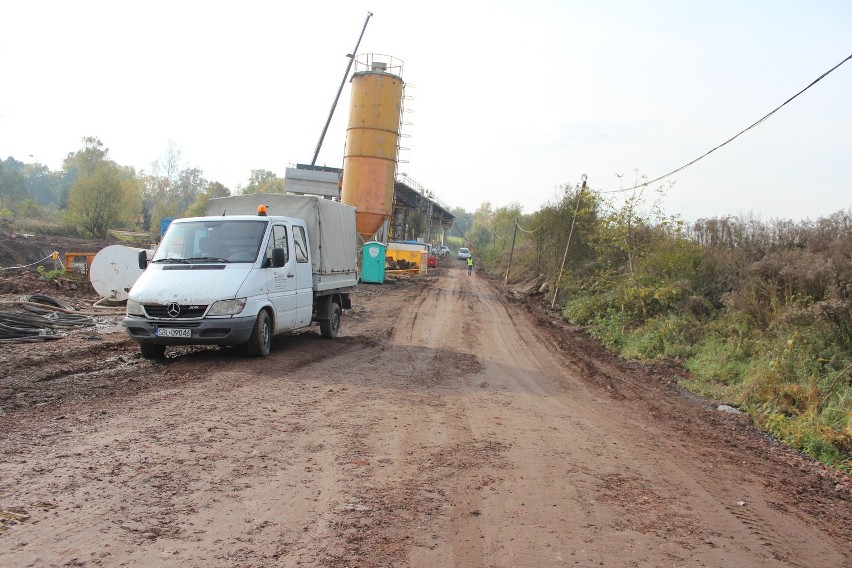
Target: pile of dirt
(20,249)
(26,266)
(70,288)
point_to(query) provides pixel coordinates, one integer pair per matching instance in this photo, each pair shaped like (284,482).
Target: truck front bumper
(225,331)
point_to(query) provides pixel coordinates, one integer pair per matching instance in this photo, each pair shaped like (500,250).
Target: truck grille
(174,311)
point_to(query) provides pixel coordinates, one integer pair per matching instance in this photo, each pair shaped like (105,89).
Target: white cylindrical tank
(114,270)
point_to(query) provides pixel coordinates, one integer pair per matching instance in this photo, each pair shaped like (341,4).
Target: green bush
(806,434)
(664,336)
(30,209)
(49,227)
(6,220)
(610,329)
(720,360)
(643,301)
(584,309)
(51,274)
(837,410)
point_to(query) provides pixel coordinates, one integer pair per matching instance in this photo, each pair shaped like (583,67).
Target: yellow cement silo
(372,137)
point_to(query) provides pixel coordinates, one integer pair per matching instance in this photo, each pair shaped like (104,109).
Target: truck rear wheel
(260,342)
(329,327)
(152,351)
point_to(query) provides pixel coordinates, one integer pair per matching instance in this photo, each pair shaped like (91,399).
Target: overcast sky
(508,100)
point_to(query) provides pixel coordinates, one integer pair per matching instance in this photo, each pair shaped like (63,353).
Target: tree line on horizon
(92,193)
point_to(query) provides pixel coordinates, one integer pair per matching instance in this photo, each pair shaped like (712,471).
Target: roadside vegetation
(759,312)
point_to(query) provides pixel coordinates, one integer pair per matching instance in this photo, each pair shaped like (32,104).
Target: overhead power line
(530,232)
(729,140)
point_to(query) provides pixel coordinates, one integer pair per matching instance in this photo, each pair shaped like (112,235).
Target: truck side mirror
(279,257)
(143,259)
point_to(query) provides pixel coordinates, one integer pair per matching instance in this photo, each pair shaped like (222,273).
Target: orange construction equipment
(79,260)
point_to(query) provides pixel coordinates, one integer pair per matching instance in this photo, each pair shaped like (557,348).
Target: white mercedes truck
(254,267)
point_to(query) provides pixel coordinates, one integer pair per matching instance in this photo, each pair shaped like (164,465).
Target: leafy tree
(5,219)
(167,167)
(104,194)
(161,210)
(214,189)
(463,219)
(101,200)
(170,190)
(21,181)
(479,237)
(415,224)
(30,209)
(63,197)
(481,234)
(85,160)
(41,184)
(189,186)
(575,214)
(264,181)
(503,224)
(12,182)
(626,234)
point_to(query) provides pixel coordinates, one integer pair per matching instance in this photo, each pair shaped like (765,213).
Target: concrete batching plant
(372,140)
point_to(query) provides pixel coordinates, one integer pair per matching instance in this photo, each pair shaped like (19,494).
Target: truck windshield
(213,240)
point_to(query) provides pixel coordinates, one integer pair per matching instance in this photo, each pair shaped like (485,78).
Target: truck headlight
(134,308)
(227,307)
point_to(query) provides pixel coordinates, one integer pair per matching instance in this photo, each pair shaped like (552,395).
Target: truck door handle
(290,275)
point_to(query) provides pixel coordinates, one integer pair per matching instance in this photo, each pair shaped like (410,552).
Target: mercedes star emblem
(173,310)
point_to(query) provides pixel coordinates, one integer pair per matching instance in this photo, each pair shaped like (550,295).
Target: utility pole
(571,232)
(466,240)
(351,57)
(511,252)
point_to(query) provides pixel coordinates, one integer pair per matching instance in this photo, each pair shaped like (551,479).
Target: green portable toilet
(373,262)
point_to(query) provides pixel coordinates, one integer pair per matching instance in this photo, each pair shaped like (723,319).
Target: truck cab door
(304,277)
(281,280)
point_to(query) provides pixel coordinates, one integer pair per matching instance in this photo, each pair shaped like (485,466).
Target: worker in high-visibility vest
(469,265)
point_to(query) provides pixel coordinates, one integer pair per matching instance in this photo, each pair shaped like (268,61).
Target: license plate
(172,332)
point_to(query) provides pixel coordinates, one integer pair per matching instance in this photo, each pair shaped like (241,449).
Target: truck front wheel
(152,351)
(260,342)
(329,327)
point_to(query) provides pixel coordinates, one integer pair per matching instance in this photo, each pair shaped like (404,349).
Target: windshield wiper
(207,259)
(170,260)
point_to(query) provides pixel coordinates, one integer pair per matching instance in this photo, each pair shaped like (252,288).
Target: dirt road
(447,426)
